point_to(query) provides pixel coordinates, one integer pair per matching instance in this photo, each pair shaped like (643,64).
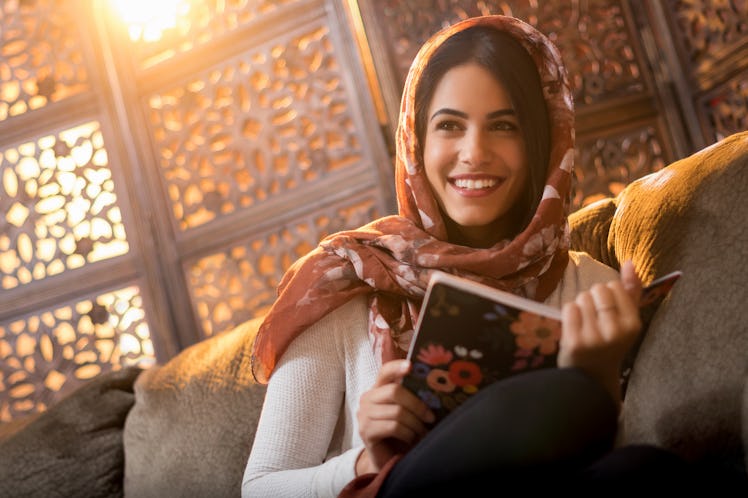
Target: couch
(185,428)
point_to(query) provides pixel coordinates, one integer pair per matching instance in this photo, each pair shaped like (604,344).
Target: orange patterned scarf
(392,258)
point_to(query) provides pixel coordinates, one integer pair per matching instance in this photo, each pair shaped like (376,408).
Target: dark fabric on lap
(630,469)
(545,422)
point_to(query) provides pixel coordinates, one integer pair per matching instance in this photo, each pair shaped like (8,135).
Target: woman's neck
(480,237)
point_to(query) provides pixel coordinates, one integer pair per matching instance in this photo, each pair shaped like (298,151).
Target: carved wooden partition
(644,97)
(154,192)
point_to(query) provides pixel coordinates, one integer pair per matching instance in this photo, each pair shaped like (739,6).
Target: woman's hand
(391,419)
(599,328)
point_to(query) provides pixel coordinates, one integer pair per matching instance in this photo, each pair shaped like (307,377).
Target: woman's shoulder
(582,272)
(349,314)
(589,267)
(341,322)
(340,330)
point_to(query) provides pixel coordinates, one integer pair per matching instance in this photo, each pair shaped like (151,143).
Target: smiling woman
(146,20)
(515,137)
(482,182)
(474,156)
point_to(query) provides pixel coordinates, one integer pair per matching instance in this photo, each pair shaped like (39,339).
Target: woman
(483,172)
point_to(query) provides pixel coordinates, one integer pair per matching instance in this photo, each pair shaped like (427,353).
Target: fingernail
(404,366)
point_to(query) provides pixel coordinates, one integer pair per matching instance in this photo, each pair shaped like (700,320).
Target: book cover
(469,335)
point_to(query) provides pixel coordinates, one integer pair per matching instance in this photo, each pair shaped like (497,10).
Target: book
(469,335)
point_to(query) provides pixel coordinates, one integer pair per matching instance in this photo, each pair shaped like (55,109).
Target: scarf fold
(391,259)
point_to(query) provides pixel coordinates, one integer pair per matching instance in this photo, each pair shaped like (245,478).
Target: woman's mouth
(469,184)
(475,186)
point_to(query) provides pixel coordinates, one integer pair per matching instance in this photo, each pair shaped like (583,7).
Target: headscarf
(392,258)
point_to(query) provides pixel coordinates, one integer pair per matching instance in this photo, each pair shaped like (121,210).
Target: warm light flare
(146,20)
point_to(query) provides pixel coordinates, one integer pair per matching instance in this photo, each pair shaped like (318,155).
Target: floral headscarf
(391,259)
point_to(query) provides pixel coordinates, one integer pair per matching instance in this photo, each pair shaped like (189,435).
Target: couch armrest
(192,426)
(75,447)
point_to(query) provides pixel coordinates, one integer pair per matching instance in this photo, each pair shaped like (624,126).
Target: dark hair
(510,63)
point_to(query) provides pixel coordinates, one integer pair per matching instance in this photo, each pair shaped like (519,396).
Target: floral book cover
(469,335)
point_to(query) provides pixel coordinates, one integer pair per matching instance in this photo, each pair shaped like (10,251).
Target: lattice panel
(260,125)
(604,166)
(41,60)
(45,356)
(201,22)
(232,286)
(59,207)
(727,109)
(591,36)
(708,28)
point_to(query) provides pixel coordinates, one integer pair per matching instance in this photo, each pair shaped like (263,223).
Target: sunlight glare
(147,19)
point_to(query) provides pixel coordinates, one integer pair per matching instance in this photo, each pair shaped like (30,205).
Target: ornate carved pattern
(45,356)
(58,204)
(604,166)
(203,22)
(239,283)
(727,109)
(591,36)
(707,29)
(40,55)
(262,124)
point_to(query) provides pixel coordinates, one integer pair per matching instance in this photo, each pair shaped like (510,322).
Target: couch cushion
(687,388)
(74,448)
(589,230)
(193,422)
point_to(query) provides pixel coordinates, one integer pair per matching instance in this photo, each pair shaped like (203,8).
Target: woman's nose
(475,148)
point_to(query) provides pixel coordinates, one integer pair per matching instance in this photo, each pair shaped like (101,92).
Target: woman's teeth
(475,184)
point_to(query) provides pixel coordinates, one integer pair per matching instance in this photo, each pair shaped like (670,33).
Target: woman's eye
(504,126)
(448,126)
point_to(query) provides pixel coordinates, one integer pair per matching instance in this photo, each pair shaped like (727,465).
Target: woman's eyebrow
(460,114)
(449,111)
(500,112)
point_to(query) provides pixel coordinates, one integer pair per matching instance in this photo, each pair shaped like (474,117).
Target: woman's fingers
(386,428)
(393,403)
(391,375)
(630,280)
(388,390)
(607,313)
(601,321)
(390,411)
(629,320)
(603,299)
(571,317)
(392,371)
(391,419)
(588,307)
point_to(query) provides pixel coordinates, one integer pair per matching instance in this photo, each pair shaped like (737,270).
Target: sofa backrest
(688,388)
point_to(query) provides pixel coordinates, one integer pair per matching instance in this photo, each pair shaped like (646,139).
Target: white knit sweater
(307,440)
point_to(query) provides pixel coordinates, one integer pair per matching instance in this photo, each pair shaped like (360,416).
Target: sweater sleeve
(289,453)
(581,273)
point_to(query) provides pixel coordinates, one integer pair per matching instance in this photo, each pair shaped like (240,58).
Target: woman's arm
(302,408)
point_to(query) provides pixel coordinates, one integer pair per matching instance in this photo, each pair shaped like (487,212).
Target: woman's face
(474,155)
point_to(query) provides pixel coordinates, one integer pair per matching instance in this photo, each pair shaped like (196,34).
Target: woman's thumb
(630,280)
